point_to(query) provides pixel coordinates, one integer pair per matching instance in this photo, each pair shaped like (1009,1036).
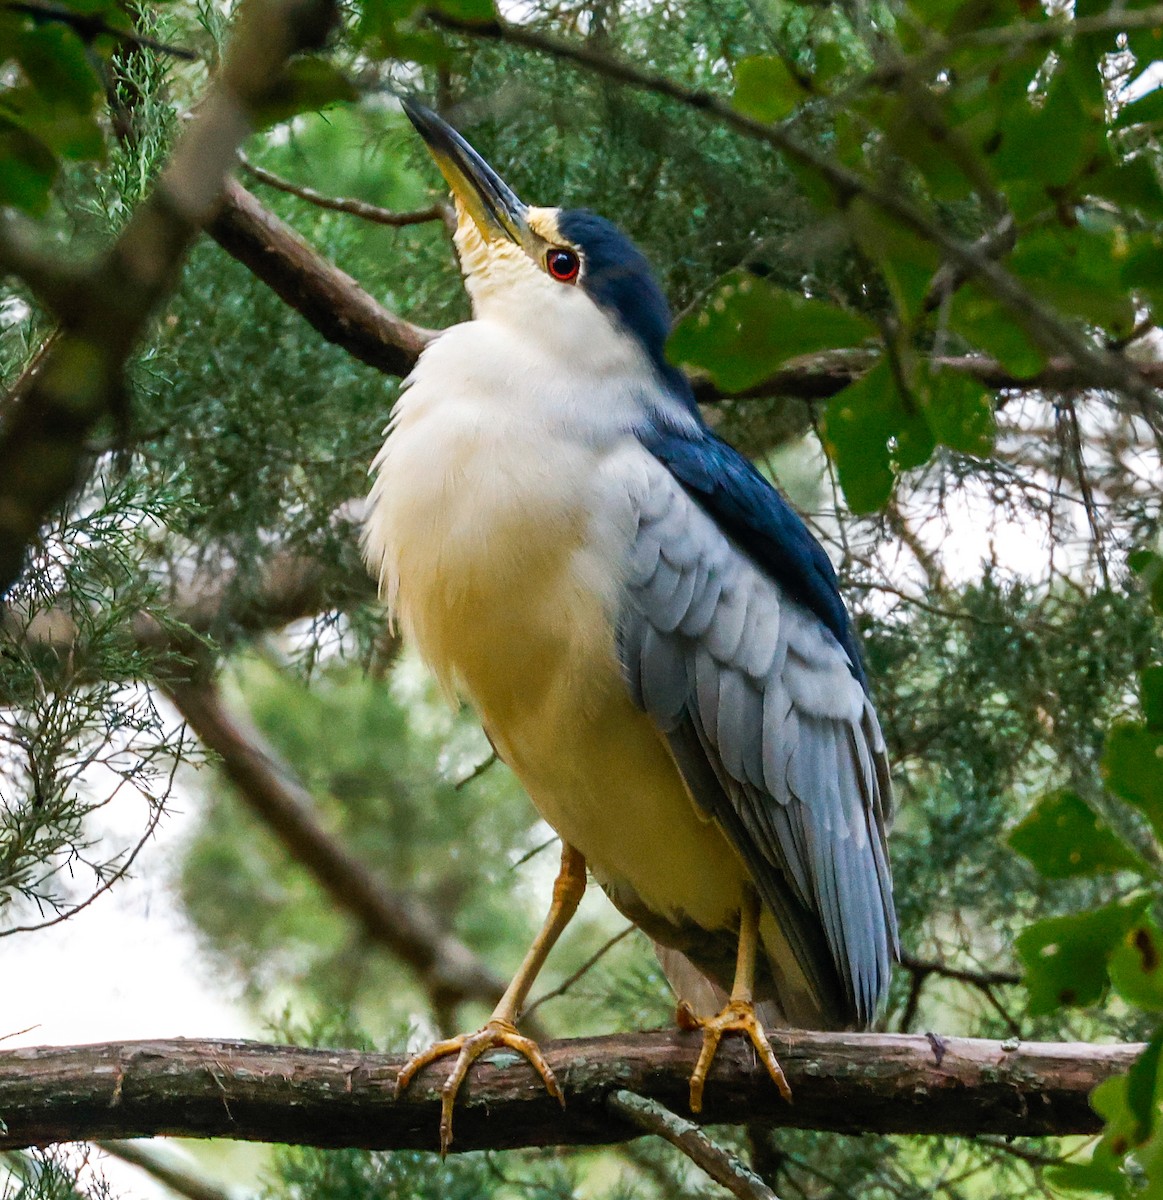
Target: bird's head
(567,273)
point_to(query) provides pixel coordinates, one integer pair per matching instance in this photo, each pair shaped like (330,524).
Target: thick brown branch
(43,430)
(346,315)
(849,1083)
(447,967)
(326,296)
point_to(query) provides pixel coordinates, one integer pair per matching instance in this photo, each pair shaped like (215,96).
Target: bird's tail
(704,995)
(785,996)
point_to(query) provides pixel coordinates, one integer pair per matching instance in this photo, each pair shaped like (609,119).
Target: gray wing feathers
(774,736)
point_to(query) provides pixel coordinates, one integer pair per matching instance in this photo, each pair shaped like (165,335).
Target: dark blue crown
(621,280)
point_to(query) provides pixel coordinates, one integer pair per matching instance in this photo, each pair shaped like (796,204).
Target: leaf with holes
(748,329)
(1136,966)
(960,413)
(1065,958)
(1063,837)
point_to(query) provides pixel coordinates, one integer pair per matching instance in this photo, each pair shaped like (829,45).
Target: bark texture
(844,1082)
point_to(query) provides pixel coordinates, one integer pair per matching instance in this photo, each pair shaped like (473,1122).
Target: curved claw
(468,1047)
(738,1017)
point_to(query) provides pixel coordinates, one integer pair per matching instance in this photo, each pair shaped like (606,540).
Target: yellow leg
(500,1029)
(739,1014)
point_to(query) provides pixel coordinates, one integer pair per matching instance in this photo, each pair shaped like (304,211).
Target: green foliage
(766,88)
(1004,696)
(1066,957)
(49,102)
(1063,837)
(309,84)
(749,329)
(76,734)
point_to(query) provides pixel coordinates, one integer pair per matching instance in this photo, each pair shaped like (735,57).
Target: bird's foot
(468,1047)
(738,1017)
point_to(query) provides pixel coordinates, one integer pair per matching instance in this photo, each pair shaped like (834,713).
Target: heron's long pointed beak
(491,203)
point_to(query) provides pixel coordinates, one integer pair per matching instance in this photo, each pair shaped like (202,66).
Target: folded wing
(766,714)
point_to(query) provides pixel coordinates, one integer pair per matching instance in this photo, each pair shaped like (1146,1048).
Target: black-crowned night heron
(654,641)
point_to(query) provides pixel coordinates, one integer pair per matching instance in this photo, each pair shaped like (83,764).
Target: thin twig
(584,969)
(91,25)
(357,208)
(1074,435)
(477,771)
(722,1167)
(925,966)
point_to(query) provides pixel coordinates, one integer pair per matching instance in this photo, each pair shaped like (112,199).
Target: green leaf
(871,433)
(1147,110)
(1132,765)
(829,64)
(1078,271)
(1127,1102)
(78,138)
(468,10)
(991,327)
(27,170)
(1043,144)
(1141,269)
(1149,567)
(309,84)
(55,62)
(765,89)
(1065,958)
(1136,966)
(748,328)
(960,412)
(1131,185)
(1151,697)
(1102,1175)
(906,261)
(1063,837)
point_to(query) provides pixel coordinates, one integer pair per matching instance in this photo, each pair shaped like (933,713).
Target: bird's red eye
(562,265)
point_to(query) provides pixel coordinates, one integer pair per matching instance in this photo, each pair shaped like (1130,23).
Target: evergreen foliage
(986,539)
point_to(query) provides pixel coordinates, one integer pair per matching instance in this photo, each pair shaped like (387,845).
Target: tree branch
(844,1082)
(91,25)
(338,308)
(43,430)
(449,970)
(1097,366)
(163,1165)
(684,1135)
(327,297)
(355,208)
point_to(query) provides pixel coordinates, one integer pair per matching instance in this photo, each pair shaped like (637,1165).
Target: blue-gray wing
(774,735)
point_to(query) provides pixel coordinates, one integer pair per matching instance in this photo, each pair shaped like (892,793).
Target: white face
(508,280)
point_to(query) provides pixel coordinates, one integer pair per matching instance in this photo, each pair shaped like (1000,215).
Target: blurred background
(204,594)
